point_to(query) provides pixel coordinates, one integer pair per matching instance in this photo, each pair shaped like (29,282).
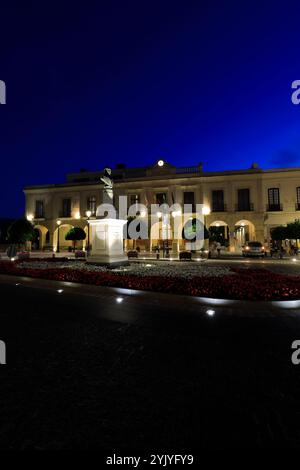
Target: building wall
(258,221)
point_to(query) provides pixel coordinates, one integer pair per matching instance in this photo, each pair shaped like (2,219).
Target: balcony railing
(274,207)
(244,207)
(65,214)
(219,208)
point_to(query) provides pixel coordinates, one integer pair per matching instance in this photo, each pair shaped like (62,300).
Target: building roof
(165,171)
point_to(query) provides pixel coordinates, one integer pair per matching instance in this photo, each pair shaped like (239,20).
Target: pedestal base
(108,263)
(107,243)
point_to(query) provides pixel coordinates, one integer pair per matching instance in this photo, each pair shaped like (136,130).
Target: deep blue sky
(129,81)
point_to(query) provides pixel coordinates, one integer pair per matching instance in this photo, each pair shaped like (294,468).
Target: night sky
(127,82)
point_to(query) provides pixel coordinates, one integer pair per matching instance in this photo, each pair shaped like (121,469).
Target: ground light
(210,312)
(60,291)
(119,300)
(294,259)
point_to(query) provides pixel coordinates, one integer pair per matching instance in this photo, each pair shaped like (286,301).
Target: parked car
(254,249)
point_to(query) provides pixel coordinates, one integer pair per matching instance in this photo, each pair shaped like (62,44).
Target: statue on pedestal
(107,230)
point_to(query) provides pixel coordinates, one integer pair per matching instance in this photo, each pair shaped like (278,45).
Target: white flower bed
(164,269)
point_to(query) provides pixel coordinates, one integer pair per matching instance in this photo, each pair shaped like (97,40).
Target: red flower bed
(247,284)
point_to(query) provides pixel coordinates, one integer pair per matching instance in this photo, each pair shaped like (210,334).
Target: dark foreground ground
(86,372)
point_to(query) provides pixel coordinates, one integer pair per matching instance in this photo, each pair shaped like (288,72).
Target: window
(189,198)
(66,207)
(39,210)
(161,198)
(134,199)
(244,200)
(273,199)
(91,204)
(218,200)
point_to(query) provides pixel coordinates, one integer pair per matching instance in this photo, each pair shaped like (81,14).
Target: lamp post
(58,226)
(206,211)
(88,214)
(30,219)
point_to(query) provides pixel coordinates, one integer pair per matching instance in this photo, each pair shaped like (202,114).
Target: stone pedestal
(106,237)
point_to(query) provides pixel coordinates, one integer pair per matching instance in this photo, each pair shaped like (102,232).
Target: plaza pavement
(118,370)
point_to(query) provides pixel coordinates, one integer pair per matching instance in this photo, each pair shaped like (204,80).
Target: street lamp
(88,214)
(58,225)
(30,218)
(205,210)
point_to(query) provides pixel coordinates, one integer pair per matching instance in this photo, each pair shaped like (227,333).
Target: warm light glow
(58,222)
(143,214)
(30,217)
(88,214)
(160,163)
(217,225)
(159,214)
(205,210)
(294,259)
(210,312)
(77,215)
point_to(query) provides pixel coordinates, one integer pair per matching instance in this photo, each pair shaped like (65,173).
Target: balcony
(219,208)
(274,207)
(244,207)
(297,206)
(65,214)
(39,215)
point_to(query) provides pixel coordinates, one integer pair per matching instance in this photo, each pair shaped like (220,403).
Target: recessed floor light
(210,312)
(119,300)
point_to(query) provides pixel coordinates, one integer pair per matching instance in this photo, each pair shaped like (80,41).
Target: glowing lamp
(205,210)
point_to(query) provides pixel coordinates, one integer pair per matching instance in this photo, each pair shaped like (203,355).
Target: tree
(75,234)
(293,230)
(20,232)
(279,233)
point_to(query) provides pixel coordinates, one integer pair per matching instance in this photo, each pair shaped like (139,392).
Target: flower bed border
(248,284)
